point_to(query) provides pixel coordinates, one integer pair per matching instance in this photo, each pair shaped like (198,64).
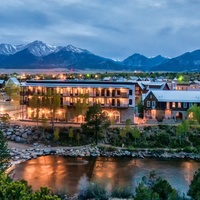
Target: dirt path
(18,145)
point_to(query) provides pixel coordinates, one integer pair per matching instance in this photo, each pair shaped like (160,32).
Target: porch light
(59,112)
(1,109)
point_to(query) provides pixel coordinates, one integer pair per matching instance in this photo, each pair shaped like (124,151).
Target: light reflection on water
(63,173)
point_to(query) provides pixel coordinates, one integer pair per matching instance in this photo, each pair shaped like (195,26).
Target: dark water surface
(63,173)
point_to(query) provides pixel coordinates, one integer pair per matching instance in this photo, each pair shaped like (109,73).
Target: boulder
(10,130)
(18,133)
(47,151)
(17,139)
(29,132)
(24,135)
(13,137)
(9,133)
(127,153)
(8,137)
(21,130)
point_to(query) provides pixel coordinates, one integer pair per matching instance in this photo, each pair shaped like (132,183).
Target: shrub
(121,192)
(188,149)
(89,190)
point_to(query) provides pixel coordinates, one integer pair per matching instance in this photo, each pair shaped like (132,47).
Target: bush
(94,191)
(121,192)
(188,149)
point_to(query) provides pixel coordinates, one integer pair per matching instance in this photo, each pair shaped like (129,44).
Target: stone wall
(21,134)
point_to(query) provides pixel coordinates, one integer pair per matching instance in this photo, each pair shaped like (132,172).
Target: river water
(63,173)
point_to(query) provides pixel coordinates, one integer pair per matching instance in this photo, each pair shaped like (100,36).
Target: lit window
(179,104)
(173,104)
(168,105)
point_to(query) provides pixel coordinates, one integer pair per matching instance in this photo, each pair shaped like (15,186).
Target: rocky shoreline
(25,134)
(22,155)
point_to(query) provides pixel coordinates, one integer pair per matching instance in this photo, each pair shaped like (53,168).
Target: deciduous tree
(34,103)
(195,112)
(96,120)
(81,105)
(135,132)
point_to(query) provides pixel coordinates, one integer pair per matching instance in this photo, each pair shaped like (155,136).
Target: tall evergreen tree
(194,190)
(4,153)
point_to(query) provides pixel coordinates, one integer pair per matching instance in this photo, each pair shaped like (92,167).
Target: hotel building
(117,99)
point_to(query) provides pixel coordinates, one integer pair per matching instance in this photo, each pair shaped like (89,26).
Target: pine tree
(4,153)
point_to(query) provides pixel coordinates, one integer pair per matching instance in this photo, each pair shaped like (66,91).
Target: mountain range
(40,55)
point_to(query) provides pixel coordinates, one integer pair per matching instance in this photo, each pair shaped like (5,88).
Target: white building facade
(117,99)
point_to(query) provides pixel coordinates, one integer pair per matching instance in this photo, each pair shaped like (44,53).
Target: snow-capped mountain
(7,49)
(75,49)
(39,48)
(40,55)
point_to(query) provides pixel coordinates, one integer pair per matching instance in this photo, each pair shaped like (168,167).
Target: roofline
(79,82)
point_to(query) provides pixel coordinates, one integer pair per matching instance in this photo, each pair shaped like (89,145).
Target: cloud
(113,28)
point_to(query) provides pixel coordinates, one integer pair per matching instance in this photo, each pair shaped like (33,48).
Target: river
(63,173)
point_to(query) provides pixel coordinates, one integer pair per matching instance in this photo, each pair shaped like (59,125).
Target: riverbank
(21,149)
(19,152)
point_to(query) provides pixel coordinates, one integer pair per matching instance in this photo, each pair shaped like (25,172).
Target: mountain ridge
(38,54)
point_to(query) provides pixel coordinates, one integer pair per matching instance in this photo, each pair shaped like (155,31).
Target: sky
(110,28)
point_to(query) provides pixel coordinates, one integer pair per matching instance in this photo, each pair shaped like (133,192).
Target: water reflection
(63,173)
(187,167)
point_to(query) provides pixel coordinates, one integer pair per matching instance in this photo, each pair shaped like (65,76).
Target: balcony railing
(116,105)
(124,95)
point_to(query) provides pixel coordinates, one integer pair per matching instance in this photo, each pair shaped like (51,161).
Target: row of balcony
(121,95)
(117,105)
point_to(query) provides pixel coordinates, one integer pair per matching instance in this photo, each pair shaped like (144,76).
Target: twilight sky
(111,28)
